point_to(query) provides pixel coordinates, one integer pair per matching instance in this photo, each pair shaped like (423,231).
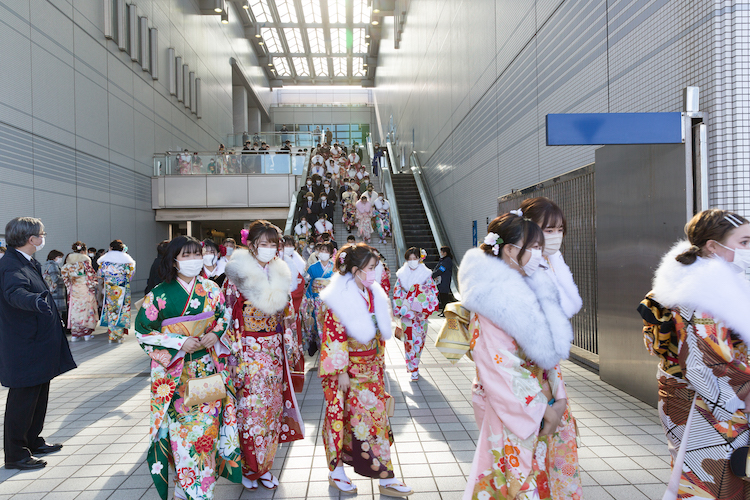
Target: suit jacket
(33,347)
(303,211)
(328,210)
(331,194)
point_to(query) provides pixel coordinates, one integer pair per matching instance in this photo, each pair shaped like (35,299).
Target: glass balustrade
(215,163)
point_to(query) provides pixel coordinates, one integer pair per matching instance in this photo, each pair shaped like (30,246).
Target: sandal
(250,484)
(273,481)
(334,482)
(390,491)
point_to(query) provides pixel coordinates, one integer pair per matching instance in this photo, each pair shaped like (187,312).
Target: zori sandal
(395,490)
(342,485)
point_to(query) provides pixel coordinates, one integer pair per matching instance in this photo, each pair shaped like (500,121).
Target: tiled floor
(100,413)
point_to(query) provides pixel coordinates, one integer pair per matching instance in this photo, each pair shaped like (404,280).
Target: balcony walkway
(100,412)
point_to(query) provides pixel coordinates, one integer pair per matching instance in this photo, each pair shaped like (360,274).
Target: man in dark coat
(443,274)
(33,347)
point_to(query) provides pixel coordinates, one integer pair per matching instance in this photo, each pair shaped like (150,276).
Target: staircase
(414,222)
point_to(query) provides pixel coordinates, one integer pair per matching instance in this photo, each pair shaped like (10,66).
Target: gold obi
(190,326)
(319,284)
(257,321)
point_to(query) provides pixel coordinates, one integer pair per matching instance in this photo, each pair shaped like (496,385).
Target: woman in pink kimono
(520,334)
(364,218)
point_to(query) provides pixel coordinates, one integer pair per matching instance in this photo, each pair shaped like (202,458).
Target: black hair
(544,212)
(54,254)
(167,269)
(288,240)
(447,251)
(513,230)
(209,243)
(117,246)
(261,228)
(417,252)
(358,256)
(328,246)
(79,247)
(161,248)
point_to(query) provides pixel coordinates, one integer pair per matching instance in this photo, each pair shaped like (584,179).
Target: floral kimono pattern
(414,324)
(349,211)
(356,429)
(318,277)
(364,219)
(267,410)
(53,277)
(383,223)
(510,396)
(200,442)
(116,308)
(80,281)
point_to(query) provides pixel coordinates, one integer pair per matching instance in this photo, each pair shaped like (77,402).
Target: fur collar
(269,293)
(115,257)
(75,258)
(527,309)
(296,264)
(409,278)
(343,297)
(708,285)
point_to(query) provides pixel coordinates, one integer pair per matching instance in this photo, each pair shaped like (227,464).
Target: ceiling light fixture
(225,17)
(246,6)
(374,22)
(218,6)
(367,36)
(376,11)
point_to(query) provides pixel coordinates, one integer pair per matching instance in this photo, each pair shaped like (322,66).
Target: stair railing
(433,217)
(397,230)
(289,226)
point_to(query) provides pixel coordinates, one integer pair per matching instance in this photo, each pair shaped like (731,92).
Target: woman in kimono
(520,335)
(364,218)
(318,277)
(356,430)
(349,210)
(52,274)
(214,266)
(185,329)
(116,269)
(383,217)
(414,300)
(302,233)
(383,272)
(297,267)
(696,321)
(267,410)
(80,281)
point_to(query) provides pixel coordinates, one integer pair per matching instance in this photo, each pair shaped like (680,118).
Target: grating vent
(574,194)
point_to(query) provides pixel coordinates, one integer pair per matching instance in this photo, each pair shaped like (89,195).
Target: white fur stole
(343,297)
(269,293)
(409,278)
(115,257)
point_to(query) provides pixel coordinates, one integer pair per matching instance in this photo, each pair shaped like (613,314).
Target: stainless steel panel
(132,32)
(122,21)
(188,191)
(268,191)
(186,84)
(226,191)
(172,77)
(640,213)
(191,79)
(143,53)
(178,78)
(154,53)
(109,24)
(198,109)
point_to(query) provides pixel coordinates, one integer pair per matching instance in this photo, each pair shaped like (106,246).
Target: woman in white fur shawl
(356,430)
(263,316)
(697,322)
(520,334)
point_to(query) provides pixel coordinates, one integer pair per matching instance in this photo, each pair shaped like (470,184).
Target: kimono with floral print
(80,281)
(510,396)
(414,324)
(356,429)
(200,442)
(116,308)
(318,277)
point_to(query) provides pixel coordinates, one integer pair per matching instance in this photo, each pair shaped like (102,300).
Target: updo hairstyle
(117,246)
(325,246)
(544,212)
(511,228)
(358,256)
(708,225)
(257,229)
(416,252)
(79,247)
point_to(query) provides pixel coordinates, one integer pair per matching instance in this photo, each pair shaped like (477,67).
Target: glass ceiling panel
(339,66)
(260,10)
(358,66)
(282,66)
(338,40)
(337,11)
(300,66)
(317,40)
(359,45)
(311,11)
(321,66)
(294,40)
(286,10)
(361,12)
(271,37)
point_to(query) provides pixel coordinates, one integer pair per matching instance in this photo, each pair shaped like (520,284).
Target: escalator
(414,222)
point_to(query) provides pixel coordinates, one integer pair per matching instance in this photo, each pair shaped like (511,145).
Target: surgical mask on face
(39,247)
(59,261)
(230,250)
(552,243)
(741,259)
(413,264)
(324,256)
(309,183)
(326,185)
(322,199)
(369,278)
(317,182)
(209,260)
(265,254)
(288,251)
(190,268)
(533,264)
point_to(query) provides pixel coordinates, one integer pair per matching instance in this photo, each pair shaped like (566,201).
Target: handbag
(201,390)
(298,381)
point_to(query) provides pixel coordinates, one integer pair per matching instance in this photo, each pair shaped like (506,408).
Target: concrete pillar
(239,109)
(189,228)
(253,121)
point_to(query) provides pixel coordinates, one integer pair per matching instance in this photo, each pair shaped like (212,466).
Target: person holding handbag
(415,298)
(263,315)
(356,430)
(697,321)
(184,327)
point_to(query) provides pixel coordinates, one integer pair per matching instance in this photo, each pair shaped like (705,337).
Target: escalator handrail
(396,230)
(289,226)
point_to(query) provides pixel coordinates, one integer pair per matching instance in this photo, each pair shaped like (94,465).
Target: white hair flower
(496,249)
(518,212)
(491,238)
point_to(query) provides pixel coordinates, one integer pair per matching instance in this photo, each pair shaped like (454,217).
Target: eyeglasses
(41,235)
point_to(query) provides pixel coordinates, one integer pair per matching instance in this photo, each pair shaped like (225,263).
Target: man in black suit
(324,207)
(329,192)
(308,207)
(33,347)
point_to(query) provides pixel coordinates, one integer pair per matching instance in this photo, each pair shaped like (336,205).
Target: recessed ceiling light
(367,36)
(375,23)
(270,64)
(225,21)
(261,43)
(244,6)
(218,10)
(376,11)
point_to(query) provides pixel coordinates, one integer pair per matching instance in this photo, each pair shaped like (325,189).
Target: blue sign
(474,235)
(591,129)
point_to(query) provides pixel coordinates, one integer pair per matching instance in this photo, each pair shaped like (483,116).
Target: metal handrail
(391,156)
(433,217)
(289,226)
(396,230)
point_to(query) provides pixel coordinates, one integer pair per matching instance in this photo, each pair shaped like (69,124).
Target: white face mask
(288,251)
(59,261)
(533,264)
(265,254)
(229,251)
(209,260)
(552,243)
(309,183)
(190,268)
(741,259)
(324,256)
(322,199)
(39,247)
(413,264)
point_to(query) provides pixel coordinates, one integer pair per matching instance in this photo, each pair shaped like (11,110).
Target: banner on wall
(474,235)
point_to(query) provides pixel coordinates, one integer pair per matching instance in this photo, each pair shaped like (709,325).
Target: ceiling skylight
(359,42)
(358,67)
(300,66)
(321,66)
(271,37)
(337,11)
(361,12)
(317,40)
(282,66)
(311,11)
(338,40)
(261,11)
(287,13)
(294,40)
(339,66)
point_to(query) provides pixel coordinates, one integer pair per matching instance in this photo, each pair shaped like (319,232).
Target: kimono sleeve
(334,349)
(400,308)
(510,390)
(707,357)
(148,329)
(228,342)
(429,297)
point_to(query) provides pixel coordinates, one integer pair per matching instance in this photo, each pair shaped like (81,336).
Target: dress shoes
(47,448)
(28,463)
